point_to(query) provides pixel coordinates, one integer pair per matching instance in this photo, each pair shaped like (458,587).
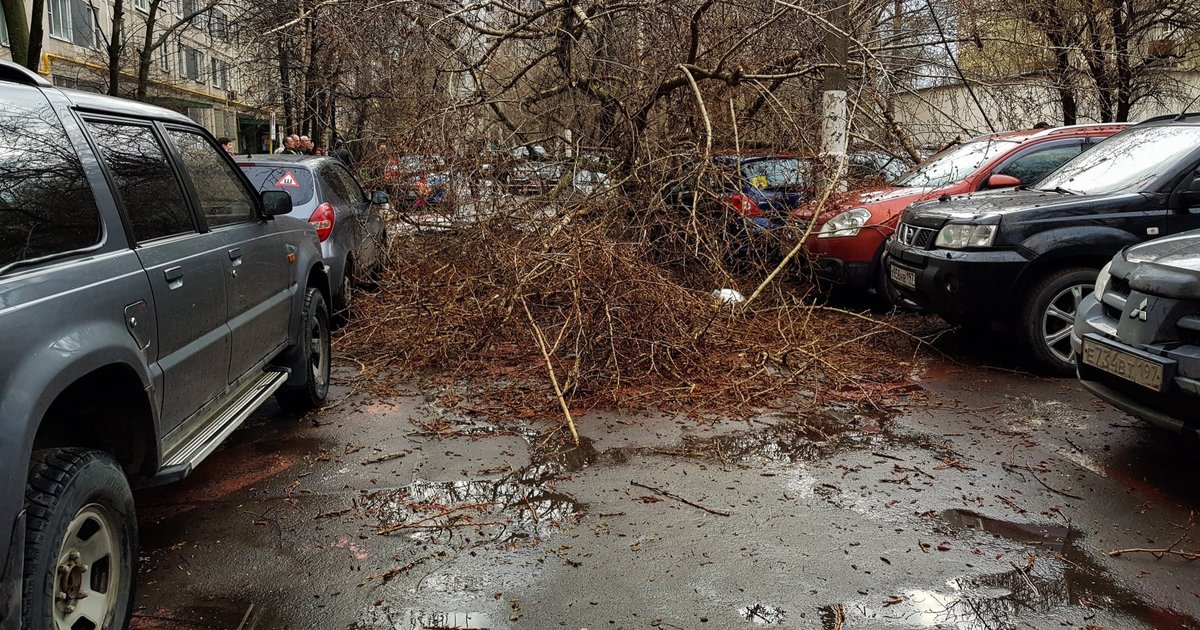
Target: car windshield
(1127,161)
(777,173)
(954,165)
(297,182)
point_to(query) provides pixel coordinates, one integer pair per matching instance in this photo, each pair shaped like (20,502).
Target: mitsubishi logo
(1140,311)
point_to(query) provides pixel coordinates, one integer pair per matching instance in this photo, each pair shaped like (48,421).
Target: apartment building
(197,71)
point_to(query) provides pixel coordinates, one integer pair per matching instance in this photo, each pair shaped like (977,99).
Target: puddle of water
(214,613)
(379,617)
(1033,533)
(519,505)
(762,614)
(1005,600)
(787,442)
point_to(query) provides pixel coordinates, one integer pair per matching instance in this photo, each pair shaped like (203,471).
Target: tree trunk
(1124,71)
(311,90)
(333,130)
(18,31)
(36,34)
(115,42)
(285,87)
(146,53)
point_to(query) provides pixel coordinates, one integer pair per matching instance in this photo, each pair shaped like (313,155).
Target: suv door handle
(174,277)
(235,253)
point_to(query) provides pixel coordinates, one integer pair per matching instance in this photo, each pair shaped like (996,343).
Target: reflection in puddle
(380,617)
(762,614)
(1028,595)
(787,442)
(985,603)
(519,505)
(1020,532)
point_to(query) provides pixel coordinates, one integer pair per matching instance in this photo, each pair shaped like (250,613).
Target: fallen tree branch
(562,402)
(671,495)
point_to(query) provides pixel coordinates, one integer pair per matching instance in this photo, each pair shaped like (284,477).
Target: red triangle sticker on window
(288,181)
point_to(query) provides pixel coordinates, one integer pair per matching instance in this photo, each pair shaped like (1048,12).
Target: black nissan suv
(1024,259)
(1137,337)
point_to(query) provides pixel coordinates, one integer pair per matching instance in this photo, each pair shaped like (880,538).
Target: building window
(191,63)
(190,7)
(60,18)
(75,21)
(219,26)
(220,73)
(164,59)
(142,5)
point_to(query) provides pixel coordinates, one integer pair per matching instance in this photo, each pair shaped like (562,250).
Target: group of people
(303,145)
(299,145)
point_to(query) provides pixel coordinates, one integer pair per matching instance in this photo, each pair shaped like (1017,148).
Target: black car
(1023,259)
(1137,337)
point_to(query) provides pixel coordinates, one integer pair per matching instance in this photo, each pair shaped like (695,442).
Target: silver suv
(150,300)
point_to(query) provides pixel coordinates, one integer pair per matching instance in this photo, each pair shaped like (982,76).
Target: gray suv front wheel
(80,542)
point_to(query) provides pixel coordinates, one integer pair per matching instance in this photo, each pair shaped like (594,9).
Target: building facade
(196,70)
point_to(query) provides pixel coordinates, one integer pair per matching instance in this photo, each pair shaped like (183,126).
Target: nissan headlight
(1102,280)
(964,236)
(847,223)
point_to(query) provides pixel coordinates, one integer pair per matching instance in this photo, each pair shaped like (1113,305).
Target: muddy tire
(1048,314)
(310,357)
(80,542)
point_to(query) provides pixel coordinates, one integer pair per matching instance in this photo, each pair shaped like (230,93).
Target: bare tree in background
(1106,56)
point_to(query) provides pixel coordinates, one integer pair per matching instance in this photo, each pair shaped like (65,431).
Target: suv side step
(180,463)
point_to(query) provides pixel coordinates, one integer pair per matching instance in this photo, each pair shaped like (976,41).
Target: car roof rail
(1180,117)
(1082,126)
(15,73)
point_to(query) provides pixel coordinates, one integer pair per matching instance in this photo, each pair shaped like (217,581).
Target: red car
(846,245)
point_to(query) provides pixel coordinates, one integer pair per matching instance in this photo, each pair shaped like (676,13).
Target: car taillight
(746,206)
(322,219)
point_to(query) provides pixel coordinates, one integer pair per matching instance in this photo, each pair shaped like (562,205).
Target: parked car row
(154,297)
(757,193)
(846,246)
(1060,261)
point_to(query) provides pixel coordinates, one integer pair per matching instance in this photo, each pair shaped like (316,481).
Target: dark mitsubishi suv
(1023,259)
(1137,337)
(150,300)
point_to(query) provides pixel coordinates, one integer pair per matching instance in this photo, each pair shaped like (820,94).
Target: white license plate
(1132,368)
(903,277)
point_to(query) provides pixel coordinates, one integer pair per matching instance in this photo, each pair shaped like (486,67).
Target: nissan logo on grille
(914,236)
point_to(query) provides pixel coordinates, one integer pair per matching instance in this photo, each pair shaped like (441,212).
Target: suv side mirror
(275,203)
(379,198)
(1002,181)
(1189,197)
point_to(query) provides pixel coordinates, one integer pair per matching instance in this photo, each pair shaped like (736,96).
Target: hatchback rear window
(46,205)
(294,180)
(777,173)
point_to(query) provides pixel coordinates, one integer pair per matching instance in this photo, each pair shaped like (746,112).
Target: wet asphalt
(993,499)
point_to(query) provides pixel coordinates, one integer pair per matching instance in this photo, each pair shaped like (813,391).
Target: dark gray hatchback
(1137,337)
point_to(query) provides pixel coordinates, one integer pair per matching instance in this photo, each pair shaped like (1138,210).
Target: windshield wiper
(1057,189)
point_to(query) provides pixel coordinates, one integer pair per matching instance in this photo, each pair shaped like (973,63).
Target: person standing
(226,144)
(342,153)
(289,145)
(306,146)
